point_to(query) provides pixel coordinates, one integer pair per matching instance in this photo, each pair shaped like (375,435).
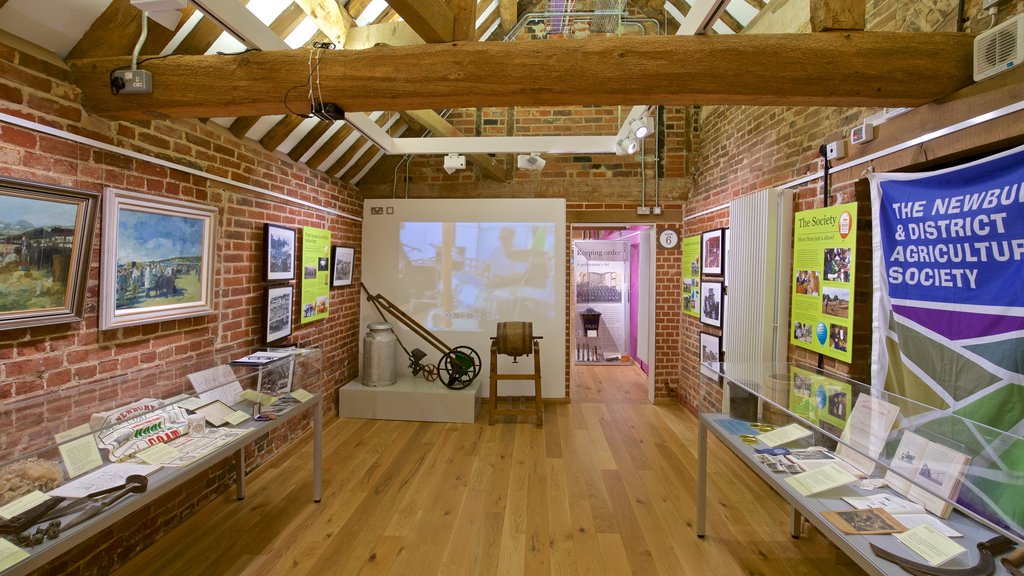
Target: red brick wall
(34,360)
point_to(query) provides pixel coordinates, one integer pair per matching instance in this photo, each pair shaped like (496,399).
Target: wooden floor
(606,487)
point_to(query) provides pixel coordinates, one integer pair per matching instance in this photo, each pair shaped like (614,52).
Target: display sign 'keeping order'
(824,245)
(316,273)
(691,275)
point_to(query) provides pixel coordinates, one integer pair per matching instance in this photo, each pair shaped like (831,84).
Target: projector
(453,162)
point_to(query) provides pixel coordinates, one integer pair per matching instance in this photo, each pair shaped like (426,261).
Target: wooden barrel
(515,338)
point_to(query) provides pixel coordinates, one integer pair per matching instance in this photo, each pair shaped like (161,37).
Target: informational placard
(691,275)
(824,253)
(316,273)
(821,400)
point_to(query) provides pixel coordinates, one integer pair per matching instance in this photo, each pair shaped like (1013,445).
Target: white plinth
(411,398)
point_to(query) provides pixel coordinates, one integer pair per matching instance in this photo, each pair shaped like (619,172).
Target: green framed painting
(46,235)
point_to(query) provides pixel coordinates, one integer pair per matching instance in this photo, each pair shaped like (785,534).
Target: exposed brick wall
(39,359)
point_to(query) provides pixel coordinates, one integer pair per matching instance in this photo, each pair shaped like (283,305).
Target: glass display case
(958,476)
(75,460)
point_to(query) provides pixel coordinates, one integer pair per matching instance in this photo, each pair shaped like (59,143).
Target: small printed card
(301,395)
(820,479)
(930,544)
(784,435)
(26,502)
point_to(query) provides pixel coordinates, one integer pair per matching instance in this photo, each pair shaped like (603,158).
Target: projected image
(457,275)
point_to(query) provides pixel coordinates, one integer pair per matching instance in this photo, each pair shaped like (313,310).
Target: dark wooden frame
(720,286)
(704,238)
(81,252)
(291,312)
(335,251)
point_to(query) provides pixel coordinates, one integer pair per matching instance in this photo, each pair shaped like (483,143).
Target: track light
(641,127)
(628,145)
(453,162)
(530,161)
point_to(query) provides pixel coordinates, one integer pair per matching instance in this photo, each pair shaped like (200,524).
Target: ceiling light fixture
(531,161)
(628,145)
(453,162)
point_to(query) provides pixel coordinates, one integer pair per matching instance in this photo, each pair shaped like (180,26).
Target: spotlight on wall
(641,127)
(453,162)
(627,146)
(530,161)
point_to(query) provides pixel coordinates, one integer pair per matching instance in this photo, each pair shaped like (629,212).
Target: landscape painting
(157,259)
(280,260)
(45,242)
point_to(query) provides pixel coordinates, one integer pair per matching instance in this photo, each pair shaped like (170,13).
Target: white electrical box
(999,49)
(835,150)
(863,133)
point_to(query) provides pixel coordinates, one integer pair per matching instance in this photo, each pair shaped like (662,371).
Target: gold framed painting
(157,262)
(46,235)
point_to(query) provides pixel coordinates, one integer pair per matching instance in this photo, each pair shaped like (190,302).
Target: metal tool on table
(46,517)
(458,366)
(985,566)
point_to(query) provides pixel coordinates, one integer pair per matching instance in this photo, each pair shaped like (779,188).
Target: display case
(962,477)
(75,460)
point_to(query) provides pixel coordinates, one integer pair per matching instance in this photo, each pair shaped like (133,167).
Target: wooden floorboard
(606,487)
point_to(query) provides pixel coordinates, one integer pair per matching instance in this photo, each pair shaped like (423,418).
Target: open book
(935,472)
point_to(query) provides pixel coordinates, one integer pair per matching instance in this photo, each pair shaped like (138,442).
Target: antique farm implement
(458,366)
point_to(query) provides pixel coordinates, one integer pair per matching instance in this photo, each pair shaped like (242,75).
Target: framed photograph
(710,353)
(341,268)
(276,378)
(46,237)
(712,252)
(157,259)
(279,242)
(279,313)
(711,303)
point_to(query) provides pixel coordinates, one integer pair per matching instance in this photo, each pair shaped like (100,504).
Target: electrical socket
(656,210)
(835,150)
(132,82)
(643,210)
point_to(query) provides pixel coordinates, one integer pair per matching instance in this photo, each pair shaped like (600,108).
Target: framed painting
(279,313)
(157,259)
(46,235)
(711,303)
(279,263)
(712,252)
(341,268)
(710,354)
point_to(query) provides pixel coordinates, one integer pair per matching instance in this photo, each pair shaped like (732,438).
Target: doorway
(611,305)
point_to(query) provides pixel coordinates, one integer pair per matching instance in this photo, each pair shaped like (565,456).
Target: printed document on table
(930,544)
(107,477)
(820,479)
(784,435)
(217,383)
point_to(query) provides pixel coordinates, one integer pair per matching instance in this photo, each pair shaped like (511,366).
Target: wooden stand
(538,408)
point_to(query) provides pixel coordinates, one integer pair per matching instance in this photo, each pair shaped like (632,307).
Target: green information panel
(316,273)
(691,275)
(821,400)
(824,244)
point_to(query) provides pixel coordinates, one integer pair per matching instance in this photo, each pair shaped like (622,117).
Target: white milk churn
(379,355)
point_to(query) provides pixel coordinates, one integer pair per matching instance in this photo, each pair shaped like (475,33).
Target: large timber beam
(330,17)
(431,19)
(440,127)
(825,69)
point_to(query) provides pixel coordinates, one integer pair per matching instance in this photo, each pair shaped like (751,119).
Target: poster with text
(824,244)
(316,273)
(691,275)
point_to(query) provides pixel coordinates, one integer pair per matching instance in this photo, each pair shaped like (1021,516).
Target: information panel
(316,273)
(691,275)
(824,244)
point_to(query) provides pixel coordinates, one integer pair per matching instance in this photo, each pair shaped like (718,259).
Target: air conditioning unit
(999,49)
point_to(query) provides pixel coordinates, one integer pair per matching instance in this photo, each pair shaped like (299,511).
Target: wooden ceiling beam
(330,17)
(838,15)
(434,122)
(241,126)
(346,158)
(486,25)
(332,143)
(288,20)
(280,132)
(832,69)
(509,10)
(757,4)
(360,164)
(463,19)
(731,22)
(431,19)
(120,16)
(311,138)
(388,33)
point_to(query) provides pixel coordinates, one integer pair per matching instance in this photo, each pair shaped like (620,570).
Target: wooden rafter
(486,25)
(440,127)
(834,69)
(389,33)
(758,4)
(355,7)
(346,158)
(837,15)
(241,126)
(120,15)
(276,135)
(330,18)
(307,141)
(364,158)
(200,38)
(463,19)
(731,22)
(431,19)
(509,13)
(328,148)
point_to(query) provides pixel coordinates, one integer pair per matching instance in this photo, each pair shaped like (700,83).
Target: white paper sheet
(101,479)
(217,383)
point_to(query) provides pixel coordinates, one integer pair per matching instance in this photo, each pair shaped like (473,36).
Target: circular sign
(668,238)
